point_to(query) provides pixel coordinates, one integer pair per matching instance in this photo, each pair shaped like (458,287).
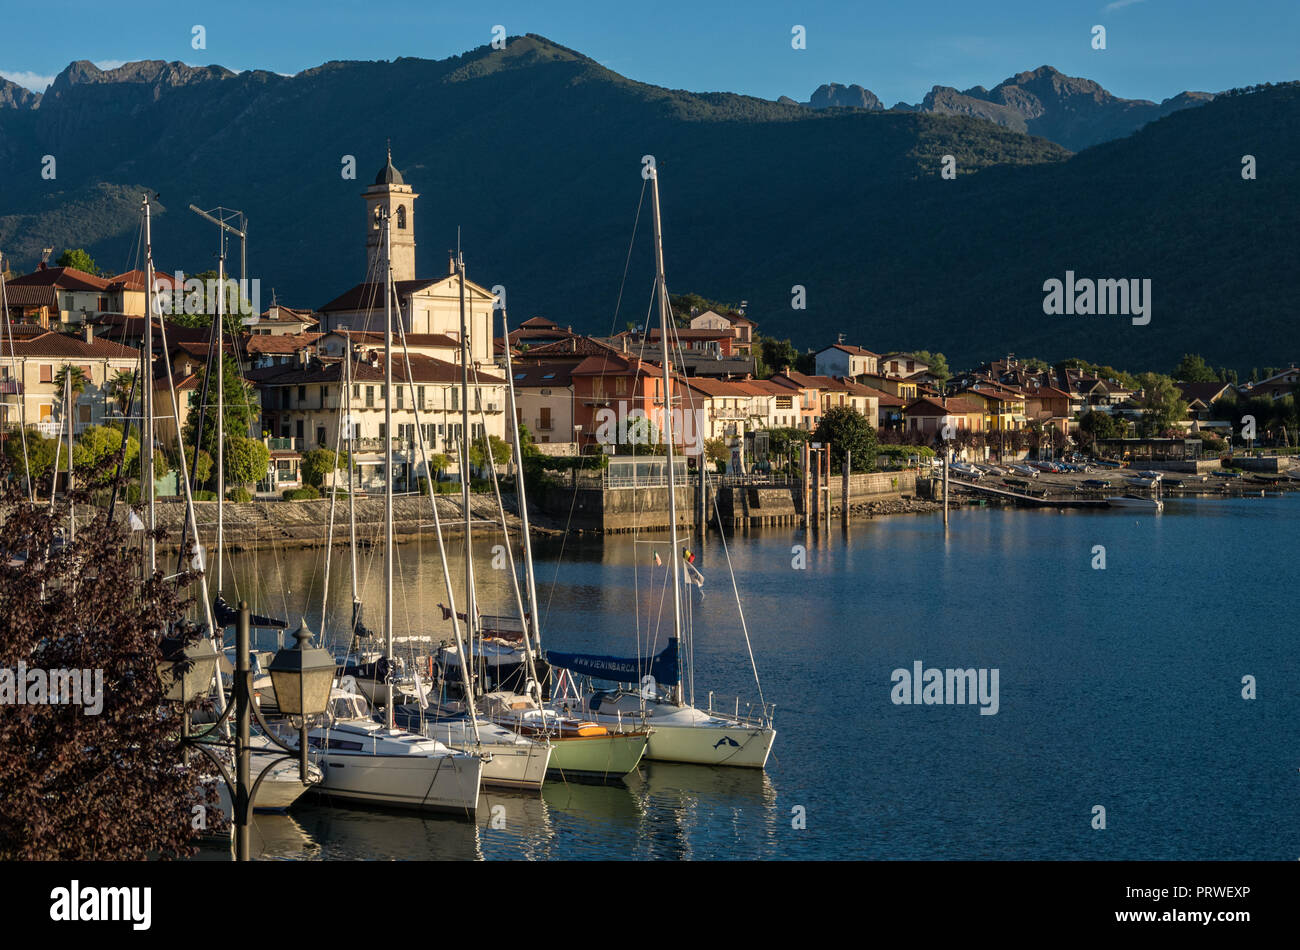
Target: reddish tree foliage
(111,786)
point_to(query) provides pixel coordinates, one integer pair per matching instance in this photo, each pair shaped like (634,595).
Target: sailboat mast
(520,494)
(388,467)
(471,604)
(146,382)
(352,451)
(221,397)
(676,562)
(67,401)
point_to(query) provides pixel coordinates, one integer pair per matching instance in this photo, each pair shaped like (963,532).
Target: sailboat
(514,713)
(378,763)
(680,731)
(283,784)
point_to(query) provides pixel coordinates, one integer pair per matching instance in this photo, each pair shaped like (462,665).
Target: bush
(204,494)
(306,493)
(239,494)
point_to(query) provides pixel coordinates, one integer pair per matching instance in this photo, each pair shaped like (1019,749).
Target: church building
(424,306)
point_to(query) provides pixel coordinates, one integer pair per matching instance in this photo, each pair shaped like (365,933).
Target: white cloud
(1120,4)
(33,81)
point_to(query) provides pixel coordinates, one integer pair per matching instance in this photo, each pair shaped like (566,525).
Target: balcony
(284,444)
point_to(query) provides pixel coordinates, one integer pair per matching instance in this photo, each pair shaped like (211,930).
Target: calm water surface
(1119,687)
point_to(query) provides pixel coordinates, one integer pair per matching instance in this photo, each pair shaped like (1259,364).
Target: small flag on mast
(689,555)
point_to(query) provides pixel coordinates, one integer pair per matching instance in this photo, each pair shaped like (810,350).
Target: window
(356,392)
(401,397)
(419,396)
(545,418)
(302,394)
(47,373)
(620,386)
(320,435)
(383,430)
(370,395)
(401,217)
(455,399)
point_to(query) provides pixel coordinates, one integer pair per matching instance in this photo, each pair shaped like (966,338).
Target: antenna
(222,220)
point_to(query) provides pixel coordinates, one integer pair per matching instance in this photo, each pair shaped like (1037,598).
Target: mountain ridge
(534,154)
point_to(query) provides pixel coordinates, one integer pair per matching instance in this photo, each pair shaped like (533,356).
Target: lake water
(1119,688)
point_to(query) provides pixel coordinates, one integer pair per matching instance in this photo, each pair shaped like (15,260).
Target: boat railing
(757,714)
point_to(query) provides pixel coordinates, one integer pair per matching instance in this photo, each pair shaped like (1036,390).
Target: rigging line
(329,534)
(20,389)
(466,657)
(739,608)
(626,264)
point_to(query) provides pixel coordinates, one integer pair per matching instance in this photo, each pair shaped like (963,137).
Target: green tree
(199,473)
(715,450)
(40,456)
(318,463)
(776,355)
(1194,369)
(240,410)
(74,377)
(1098,425)
(938,364)
(501,453)
(1161,403)
(846,429)
(100,445)
(120,388)
(246,461)
(78,258)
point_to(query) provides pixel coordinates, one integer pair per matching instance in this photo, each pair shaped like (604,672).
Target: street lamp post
(301,677)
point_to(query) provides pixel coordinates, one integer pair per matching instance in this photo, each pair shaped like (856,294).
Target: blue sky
(897,49)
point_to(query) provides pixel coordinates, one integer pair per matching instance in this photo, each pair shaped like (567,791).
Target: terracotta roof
(653,334)
(279,343)
(376,338)
(1205,392)
(532,375)
(849,348)
(424,369)
(31,295)
(56,344)
(366,296)
(66,278)
(929,406)
(536,322)
(574,346)
(19,330)
(613,364)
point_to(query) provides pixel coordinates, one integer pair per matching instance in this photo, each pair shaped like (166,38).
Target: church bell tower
(390,195)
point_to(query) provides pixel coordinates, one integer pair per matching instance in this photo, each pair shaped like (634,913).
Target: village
(72,343)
